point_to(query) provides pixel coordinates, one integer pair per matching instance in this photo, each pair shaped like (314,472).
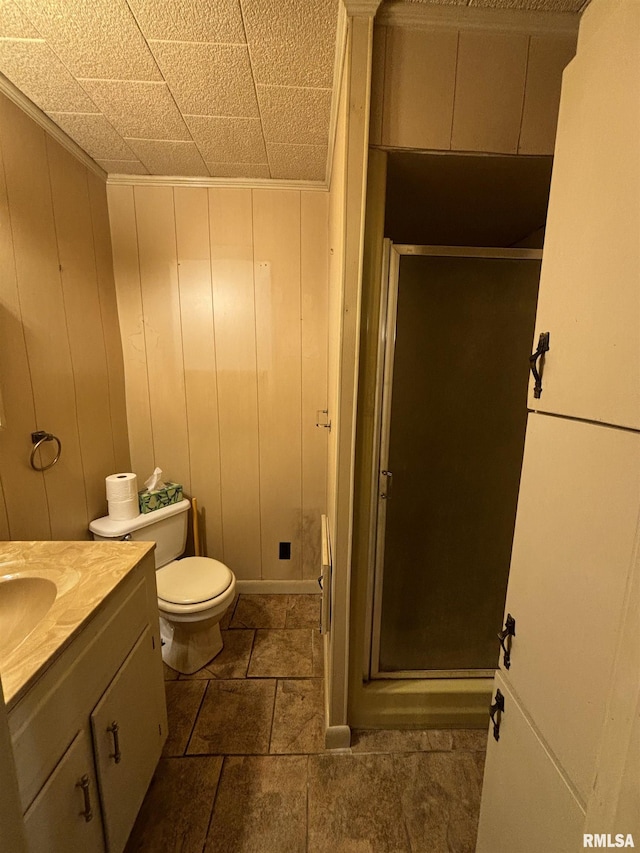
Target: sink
(24,601)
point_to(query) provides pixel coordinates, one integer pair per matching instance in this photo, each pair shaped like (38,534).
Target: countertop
(85,573)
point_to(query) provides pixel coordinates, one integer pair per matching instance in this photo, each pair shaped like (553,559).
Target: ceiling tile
(138,109)
(228,140)
(13,23)
(94,134)
(38,73)
(295,115)
(190,20)
(123,167)
(292,43)
(168,157)
(94,39)
(298,162)
(239,170)
(208,79)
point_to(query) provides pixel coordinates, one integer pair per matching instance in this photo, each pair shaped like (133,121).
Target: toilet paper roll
(123,510)
(121,487)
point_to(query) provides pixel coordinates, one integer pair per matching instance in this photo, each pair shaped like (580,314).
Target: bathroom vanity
(85,693)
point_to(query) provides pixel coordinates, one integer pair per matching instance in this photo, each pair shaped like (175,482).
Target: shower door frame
(382,425)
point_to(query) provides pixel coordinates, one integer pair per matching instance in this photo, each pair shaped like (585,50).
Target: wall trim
(361,8)
(35,113)
(269,587)
(337,738)
(342,31)
(422,16)
(185,181)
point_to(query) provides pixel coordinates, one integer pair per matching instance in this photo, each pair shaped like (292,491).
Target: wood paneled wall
(61,366)
(493,92)
(222,296)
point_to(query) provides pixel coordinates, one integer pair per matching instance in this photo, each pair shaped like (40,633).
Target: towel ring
(39,438)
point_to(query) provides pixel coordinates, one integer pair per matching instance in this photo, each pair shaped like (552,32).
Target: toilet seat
(192,581)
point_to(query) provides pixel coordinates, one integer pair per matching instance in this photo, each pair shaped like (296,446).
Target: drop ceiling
(202,88)
(221,88)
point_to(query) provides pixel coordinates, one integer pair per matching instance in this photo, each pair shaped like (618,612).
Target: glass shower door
(454,416)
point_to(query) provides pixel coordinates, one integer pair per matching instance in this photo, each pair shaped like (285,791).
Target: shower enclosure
(452,391)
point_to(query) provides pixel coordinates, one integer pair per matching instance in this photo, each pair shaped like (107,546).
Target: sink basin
(24,601)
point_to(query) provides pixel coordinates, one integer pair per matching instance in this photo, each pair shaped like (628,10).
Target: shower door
(454,406)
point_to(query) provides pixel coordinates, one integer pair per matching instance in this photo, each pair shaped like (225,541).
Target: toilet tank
(167,527)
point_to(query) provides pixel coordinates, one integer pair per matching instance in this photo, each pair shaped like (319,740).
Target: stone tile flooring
(244,768)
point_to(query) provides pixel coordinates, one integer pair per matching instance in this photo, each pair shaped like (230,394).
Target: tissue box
(156,499)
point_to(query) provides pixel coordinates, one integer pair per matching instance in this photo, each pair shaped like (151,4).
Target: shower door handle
(385,493)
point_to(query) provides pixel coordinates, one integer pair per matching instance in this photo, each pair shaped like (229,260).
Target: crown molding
(342,30)
(424,16)
(35,113)
(180,181)
(361,8)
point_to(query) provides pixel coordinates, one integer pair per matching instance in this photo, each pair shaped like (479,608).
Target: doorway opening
(449,318)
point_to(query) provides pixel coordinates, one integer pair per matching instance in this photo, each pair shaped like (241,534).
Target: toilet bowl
(193,592)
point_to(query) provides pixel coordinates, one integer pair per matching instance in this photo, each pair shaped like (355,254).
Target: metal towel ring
(39,438)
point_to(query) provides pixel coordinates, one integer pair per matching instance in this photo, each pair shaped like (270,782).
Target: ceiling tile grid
(220,88)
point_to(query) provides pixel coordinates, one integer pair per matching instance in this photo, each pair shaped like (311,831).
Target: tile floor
(244,768)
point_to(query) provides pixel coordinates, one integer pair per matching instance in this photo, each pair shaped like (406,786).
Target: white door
(65,817)
(578,505)
(573,551)
(128,739)
(589,286)
(530,808)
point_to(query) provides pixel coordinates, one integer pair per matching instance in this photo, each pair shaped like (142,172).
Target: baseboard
(258,587)
(337,738)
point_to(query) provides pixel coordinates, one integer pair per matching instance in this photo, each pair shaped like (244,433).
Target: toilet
(193,593)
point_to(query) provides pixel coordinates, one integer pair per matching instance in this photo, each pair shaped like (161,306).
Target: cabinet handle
(543,346)
(114,728)
(84,784)
(498,706)
(509,630)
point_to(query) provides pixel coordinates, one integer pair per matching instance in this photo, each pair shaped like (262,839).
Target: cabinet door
(128,739)
(589,296)
(573,552)
(527,805)
(65,816)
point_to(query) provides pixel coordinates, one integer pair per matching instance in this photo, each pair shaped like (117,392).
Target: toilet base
(188,646)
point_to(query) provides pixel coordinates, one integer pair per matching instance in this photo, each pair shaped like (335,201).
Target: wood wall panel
(53,364)
(110,322)
(276,222)
(163,332)
(548,57)
(126,270)
(72,211)
(200,375)
(231,234)
(492,92)
(25,496)
(419,87)
(489,92)
(314,262)
(44,318)
(222,272)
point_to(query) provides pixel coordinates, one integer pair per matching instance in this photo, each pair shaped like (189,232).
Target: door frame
(382,423)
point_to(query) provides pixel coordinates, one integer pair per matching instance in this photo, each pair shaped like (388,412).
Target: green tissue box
(171,494)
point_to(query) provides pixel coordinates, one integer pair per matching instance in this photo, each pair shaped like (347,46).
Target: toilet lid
(192,579)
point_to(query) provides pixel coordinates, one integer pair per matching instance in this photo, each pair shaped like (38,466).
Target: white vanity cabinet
(89,733)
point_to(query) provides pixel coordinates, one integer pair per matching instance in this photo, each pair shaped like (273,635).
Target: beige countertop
(85,574)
